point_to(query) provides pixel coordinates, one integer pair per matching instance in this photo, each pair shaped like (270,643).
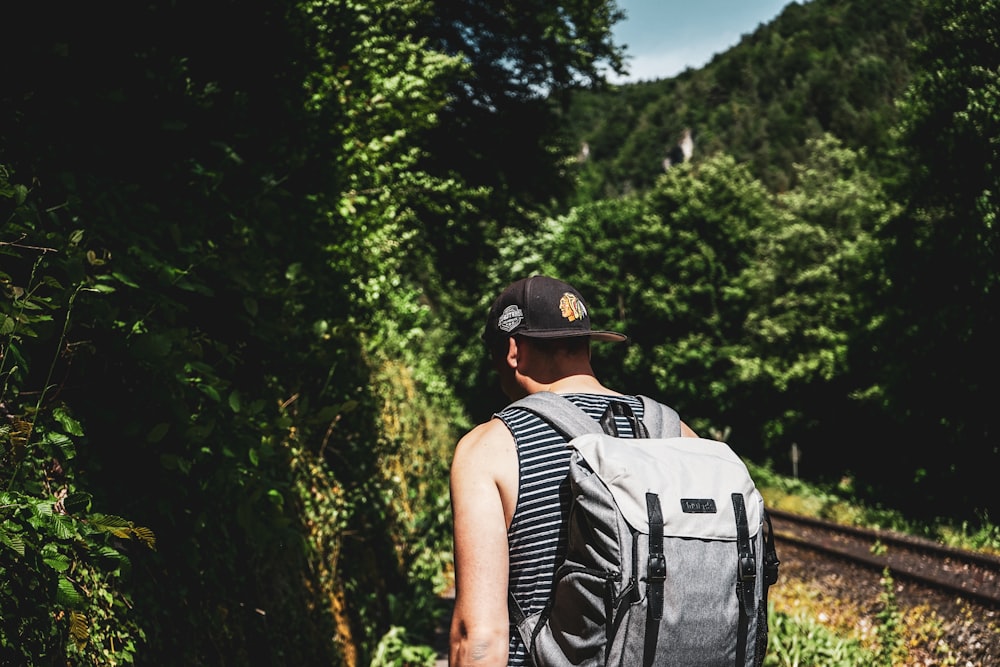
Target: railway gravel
(968,628)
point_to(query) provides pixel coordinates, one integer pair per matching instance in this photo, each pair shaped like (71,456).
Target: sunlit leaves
(814,264)
(66,593)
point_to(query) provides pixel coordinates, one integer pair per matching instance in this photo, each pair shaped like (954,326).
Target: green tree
(942,315)
(815,269)
(501,129)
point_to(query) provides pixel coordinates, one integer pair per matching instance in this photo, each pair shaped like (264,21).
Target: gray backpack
(670,550)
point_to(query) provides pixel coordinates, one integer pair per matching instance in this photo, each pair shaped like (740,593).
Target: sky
(665,37)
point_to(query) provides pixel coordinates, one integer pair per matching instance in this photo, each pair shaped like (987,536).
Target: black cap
(541,307)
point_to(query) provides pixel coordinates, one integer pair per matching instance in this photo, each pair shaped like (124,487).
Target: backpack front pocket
(579,638)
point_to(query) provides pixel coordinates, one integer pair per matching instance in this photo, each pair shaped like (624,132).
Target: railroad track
(969,574)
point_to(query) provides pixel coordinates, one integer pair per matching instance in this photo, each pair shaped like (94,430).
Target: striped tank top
(537,536)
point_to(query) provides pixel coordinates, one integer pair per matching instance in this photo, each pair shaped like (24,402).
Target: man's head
(540,308)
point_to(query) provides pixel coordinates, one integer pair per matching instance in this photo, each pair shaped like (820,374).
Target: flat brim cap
(542,307)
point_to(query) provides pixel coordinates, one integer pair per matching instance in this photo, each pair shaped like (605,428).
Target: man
(508,495)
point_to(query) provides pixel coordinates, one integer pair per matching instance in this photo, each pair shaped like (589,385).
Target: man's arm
(481,489)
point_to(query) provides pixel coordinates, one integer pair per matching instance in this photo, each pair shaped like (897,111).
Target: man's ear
(513,352)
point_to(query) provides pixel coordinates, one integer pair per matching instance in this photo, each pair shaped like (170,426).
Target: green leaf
(199,366)
(77,502)
(210,391)
(152,346)
(71,425)
(332,411)
(145,535)
(276,498)
(42,507)
(15,542)
(158,432)
(57,561)
(66,593)
(108,552)
(63,442)
(63,527)
(125,280)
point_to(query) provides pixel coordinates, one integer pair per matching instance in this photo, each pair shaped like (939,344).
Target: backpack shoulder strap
(662,421)
(559,411)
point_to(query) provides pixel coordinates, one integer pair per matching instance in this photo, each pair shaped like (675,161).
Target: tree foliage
(817,265)
(252,209)
(741,306)
(941,294)
(823,66)
(501,128)
(63,563)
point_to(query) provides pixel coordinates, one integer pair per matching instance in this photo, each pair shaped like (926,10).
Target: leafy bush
(64,565)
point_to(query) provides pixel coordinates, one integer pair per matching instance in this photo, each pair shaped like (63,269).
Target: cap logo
(510,318)
(571,307)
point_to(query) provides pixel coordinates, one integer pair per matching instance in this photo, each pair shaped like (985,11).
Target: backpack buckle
(657,568)
(748,568)
(771,569)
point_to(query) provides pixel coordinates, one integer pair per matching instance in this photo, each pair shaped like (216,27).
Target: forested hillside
(246,248)
(836,67)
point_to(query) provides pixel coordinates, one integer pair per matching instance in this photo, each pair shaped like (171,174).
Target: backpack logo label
(510,318)
(698,506)
(572,308)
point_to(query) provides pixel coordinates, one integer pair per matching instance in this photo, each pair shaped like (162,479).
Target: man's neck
(576,384)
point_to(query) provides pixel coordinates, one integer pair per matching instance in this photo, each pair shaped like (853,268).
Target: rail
(967,573)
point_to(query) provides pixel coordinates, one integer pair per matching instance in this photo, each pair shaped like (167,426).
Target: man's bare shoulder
(485,467)
(488,439)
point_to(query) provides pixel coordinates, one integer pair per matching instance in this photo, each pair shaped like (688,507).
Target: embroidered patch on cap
(571,307)
(510,318)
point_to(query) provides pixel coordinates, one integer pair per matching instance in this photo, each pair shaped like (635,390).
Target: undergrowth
(837,504)
(808,627)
